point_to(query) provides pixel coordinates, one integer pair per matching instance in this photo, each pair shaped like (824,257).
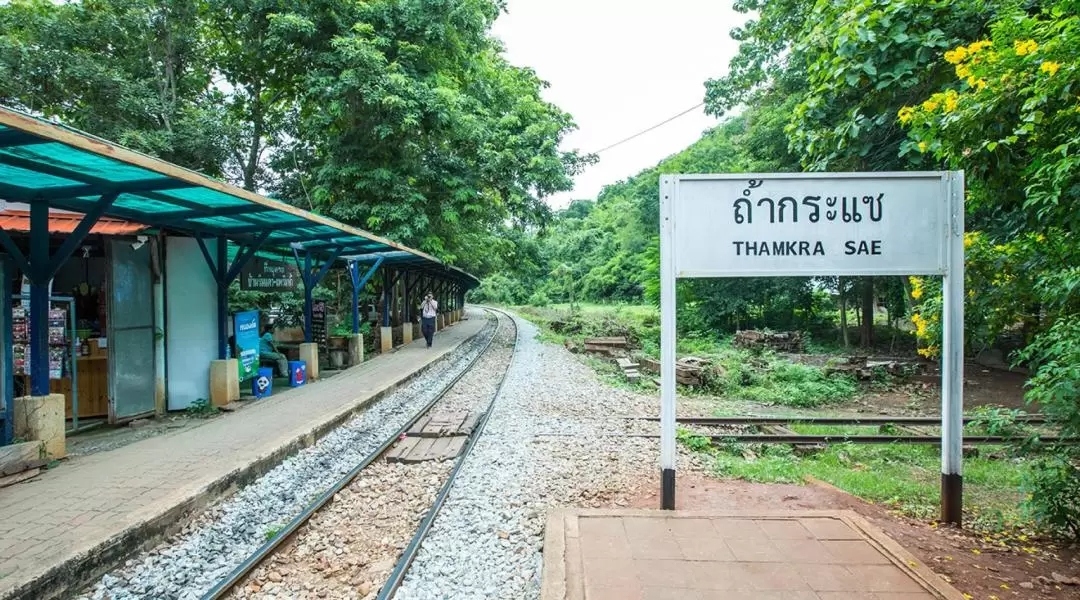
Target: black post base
(952,499)
(667,489)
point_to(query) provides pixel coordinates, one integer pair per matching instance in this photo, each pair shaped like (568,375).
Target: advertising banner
(247,343)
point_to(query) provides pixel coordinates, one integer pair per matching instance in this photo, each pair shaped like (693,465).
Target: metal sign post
(817,224)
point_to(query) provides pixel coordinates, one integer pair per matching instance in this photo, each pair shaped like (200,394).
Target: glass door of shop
(130,327)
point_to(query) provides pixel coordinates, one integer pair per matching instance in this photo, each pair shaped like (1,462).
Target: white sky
(621,66)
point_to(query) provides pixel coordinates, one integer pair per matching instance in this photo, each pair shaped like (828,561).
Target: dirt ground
(973,565)
(983,386)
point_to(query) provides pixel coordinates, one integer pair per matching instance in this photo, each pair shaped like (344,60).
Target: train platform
(72,523)
(654,555)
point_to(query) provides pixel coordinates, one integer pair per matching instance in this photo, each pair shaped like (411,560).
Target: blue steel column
(308,284)
(6,358)
(222,298)
(354,274)
(386,298)
(39,299)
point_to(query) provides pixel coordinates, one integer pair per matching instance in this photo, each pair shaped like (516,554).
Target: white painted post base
(406,334)
(356,350)
(309,354)
(224,381)
(386,339)
(41,418)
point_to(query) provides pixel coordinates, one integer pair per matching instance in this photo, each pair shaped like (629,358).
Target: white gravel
(544,446)
(188,564)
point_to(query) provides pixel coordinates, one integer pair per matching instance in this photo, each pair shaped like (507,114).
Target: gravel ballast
(348,548)
(189,563)
(546,445)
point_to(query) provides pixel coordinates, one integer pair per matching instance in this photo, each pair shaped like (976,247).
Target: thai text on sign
(810,224)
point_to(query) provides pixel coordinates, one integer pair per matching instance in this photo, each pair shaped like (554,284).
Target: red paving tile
(796,557)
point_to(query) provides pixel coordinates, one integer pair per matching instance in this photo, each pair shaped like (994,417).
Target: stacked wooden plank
(19,462)
(629,369)
(687,370)
(609,346)
(782,341)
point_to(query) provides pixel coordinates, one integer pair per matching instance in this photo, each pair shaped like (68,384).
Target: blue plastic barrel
(297,373)
(263,382)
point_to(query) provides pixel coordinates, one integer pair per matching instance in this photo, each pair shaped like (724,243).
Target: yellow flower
(969,239)
(922,146)
(930,105)
(963,71)
(980,84)
(905,114)
(951,100)
(1025,47)
(1049,67)
(977,46)
(1039,238)
(957,55)
(916,293)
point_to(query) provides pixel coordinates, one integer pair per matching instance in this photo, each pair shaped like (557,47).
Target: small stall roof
(66,222)
(72,170)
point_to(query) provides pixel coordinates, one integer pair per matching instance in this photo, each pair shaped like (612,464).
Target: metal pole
(354,275)
(386,298)
(74,368)
(222,298)
(667,345)
(952,370)
(39,299)
(308,285)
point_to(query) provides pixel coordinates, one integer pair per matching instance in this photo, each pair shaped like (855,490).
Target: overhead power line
(658,125)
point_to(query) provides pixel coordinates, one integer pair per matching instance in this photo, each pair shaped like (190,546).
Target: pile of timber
(687,370)
(863,368)
(22,461)
(609,346)
(781,341)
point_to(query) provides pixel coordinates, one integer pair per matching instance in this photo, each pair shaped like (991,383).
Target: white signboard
(810,224)
(738,225)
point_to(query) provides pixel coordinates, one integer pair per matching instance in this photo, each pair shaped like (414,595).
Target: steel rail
(925,421)
(392,583)
(872,439)
(262,552)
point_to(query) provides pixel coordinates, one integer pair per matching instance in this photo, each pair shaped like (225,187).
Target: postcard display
(57,341)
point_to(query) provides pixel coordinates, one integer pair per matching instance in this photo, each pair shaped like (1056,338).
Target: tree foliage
(400,116)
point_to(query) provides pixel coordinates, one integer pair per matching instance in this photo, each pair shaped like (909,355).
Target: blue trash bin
(263,382)
(297,373)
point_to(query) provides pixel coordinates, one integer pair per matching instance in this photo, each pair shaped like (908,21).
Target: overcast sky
(621,66)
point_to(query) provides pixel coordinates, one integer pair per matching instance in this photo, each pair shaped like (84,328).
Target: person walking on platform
(428,310)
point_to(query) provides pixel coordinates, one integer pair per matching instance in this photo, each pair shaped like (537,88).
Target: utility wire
(658,125)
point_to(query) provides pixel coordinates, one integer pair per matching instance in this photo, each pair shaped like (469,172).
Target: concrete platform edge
(89,565)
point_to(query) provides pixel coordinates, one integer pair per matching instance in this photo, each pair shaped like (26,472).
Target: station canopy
(72,170)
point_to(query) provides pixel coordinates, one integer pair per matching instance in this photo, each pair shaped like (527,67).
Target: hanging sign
(263,275)
(810,224)
(246,327)
(318,324)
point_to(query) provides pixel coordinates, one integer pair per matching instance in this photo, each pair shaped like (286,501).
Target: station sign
(265,275)
(817,224)
(810,224)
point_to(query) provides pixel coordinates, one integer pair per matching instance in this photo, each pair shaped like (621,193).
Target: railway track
(223,587)
(781,435)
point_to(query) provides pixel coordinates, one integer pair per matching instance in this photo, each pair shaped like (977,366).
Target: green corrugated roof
(72,170)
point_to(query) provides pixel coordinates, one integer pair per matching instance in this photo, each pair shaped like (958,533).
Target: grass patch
(903,477)
(761,378)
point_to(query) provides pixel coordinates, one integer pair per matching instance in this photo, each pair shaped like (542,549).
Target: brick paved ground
(88,502)
(651,555)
